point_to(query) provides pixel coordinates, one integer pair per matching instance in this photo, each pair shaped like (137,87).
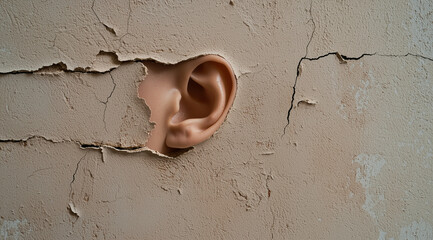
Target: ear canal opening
(196,103)
(196,91)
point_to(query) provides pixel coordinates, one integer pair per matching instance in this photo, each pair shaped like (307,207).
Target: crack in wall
(38,170)
(96,146)
(343,59)
(58,67)
(71,206)
(25,140)
(73,176)
(106,101)
(117,148)
(62,67)
(298,68)
(110,29)
(406,55)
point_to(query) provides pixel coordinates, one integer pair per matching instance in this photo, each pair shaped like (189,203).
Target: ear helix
(204,103)
(188,100)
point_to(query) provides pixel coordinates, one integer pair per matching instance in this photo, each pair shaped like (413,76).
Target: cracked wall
(329,136)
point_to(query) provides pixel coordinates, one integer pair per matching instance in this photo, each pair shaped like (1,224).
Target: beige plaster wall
(330,135)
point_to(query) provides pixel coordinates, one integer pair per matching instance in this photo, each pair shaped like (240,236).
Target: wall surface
(330,135)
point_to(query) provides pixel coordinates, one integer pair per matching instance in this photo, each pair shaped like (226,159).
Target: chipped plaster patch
(13,229)
(365,174)
(416,230)
(362,94)
(382,235)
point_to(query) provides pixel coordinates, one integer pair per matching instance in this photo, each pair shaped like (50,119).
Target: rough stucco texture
(330,135)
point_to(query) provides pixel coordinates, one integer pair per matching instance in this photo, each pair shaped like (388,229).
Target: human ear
(207,92)
(189,101)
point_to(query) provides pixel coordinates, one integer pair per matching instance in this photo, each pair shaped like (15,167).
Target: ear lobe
(207,92)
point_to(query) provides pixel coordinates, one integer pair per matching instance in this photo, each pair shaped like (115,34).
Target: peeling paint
(73,210)
(87,108)
(307,101)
